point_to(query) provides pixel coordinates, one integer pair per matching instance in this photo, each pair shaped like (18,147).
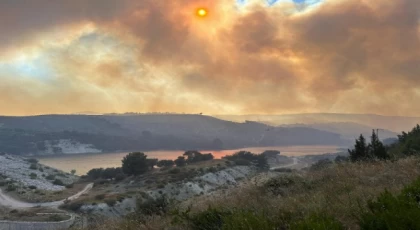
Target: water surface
(82,163)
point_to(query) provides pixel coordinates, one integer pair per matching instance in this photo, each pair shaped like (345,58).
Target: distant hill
(55,134)
(392,123)
(348,130)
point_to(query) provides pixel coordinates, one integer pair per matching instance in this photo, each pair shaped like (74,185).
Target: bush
(111,202)
(33,166)
(50,177)
(283,170)
(11,187)
(245,220)
(41,169)
(216,219)
(394,212)
(242,162)
(33,161)
(241,157)
(152,206)
(100,197)
(277,185)
(56,218)
(70,186)
(175,171)
(180,162)
(33,187)
(120,177)
(165,163)
(58,182)
(33,176)
(73,206)
(317,222)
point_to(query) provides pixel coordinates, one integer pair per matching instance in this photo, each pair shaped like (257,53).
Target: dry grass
(341,191)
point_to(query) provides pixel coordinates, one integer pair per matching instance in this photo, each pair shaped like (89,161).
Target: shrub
(120,177)
(242,162)
(283,170)
(175,171)
(33,166)
(258,160)
(212,170)
(321,164)
(70,186)
(152,206)
(2,183)
(58,182)
(317,222)
(41,169)
(50,177)
(11,187)
(245,220)
(33,176)
(33,187)
(277,185)
(56,218)
(73,171)
(180,162)
(73,206)
(33,161)
(100,197)
(111,202)
(165,163)
(394,212)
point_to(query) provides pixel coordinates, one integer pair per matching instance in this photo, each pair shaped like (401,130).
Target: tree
(151,163)
(194,156)
(73,171)
(165,163)
(180,162)
(135,163)
(376,148)
(360,151)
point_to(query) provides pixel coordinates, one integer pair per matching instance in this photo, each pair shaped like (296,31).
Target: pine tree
(360,151)
(376,148)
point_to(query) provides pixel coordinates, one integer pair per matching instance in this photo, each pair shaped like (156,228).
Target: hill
(392,123)
(348,130)
(56,134)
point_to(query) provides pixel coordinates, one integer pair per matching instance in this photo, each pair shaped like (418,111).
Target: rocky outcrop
(180,191)
(18,170)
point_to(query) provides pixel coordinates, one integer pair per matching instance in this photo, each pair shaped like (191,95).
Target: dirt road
(8,201)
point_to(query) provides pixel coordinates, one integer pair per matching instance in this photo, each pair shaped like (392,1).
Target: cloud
(353,56)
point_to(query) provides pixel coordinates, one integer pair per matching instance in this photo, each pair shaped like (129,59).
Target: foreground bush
(317,222)
(394,212)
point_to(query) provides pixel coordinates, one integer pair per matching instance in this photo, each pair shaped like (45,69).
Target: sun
(202,12)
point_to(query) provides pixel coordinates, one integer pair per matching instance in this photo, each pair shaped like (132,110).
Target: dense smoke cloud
(353,56)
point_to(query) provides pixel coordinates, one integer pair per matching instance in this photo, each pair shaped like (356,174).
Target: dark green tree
(360,151)
(376,148)
(165,163)
(180,162)
(135,163)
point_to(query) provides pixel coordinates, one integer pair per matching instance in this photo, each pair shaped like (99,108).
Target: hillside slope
(56,134)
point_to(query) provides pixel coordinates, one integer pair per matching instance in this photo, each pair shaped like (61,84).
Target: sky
(243,57)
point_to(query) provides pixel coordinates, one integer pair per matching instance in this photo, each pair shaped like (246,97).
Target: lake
(82,163)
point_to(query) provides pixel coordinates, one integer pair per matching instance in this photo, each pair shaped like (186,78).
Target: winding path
(295,162)
(8,201)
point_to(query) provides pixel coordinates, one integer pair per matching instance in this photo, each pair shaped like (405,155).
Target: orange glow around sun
(201,12)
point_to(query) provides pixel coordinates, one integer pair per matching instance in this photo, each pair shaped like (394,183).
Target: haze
(275,57)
